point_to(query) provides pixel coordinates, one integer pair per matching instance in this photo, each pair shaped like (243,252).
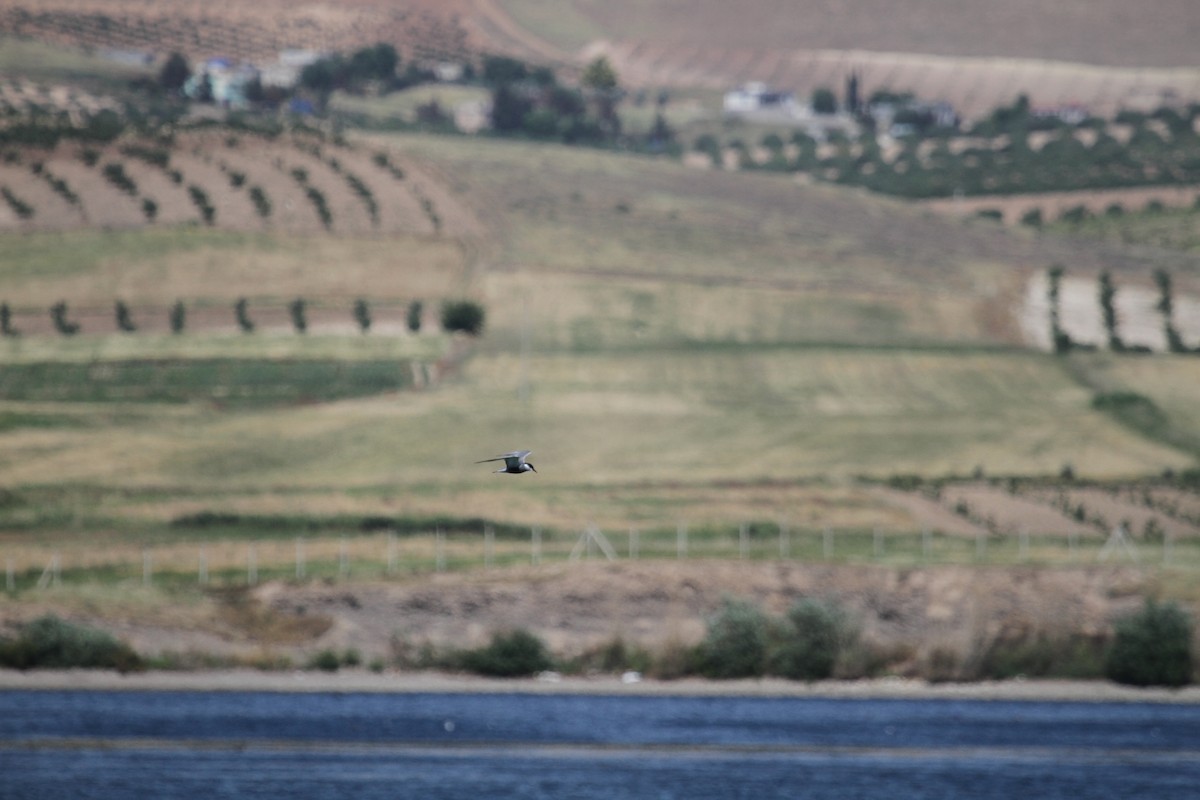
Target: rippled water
(259,745)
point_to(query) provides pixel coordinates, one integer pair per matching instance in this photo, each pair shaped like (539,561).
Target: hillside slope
(1160,33)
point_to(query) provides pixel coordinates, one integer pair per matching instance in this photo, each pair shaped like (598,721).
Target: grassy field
(402,106)
(611,434)
(37,62)
(673,345)
(158,266)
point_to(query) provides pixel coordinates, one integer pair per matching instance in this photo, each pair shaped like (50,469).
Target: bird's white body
(514,462)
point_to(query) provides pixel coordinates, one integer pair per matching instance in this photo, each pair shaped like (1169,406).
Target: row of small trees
(1107,293)
(1162,149)
(457,316)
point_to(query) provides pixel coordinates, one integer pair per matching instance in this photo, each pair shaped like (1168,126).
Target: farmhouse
(756,97)
(227,82)
(1067,113)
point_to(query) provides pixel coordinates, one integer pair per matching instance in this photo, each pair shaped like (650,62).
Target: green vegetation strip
(248,382)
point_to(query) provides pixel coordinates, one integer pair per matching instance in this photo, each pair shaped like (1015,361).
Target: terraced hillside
(255,32)
(229,180)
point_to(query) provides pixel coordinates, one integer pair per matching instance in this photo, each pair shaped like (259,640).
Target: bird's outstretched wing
(513,459)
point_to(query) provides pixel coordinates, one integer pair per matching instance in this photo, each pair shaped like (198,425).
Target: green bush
(326,661)
(812,641)
(1041,656)
(463,315)
(509,655)
(1152,647)
(735,645)
(52,643)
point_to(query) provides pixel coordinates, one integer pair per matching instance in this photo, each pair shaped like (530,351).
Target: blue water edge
(114,745)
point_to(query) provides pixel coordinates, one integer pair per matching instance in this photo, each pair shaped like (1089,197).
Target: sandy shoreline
(431,682)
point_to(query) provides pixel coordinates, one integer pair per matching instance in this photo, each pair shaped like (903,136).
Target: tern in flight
(514,462)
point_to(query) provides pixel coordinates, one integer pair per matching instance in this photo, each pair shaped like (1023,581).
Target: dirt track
(421,682)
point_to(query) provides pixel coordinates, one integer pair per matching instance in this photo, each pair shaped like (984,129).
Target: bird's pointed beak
(531,466)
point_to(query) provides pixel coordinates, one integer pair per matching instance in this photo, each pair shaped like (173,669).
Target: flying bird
(514,462)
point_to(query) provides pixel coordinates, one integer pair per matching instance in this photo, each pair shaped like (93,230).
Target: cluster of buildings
(896,115)
(757,102)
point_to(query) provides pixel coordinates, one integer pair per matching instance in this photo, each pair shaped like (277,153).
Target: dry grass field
(1109,32)
(974,55)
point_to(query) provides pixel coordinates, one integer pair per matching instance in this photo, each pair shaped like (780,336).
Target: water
(114,745)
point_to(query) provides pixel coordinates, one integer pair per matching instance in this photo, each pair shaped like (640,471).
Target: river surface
(116,745)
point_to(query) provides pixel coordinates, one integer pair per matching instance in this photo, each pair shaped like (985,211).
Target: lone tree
(362,315)
(1166,307)
(243,317)
(1108,295)
(178,317)
(124,318)
(174,73)
(412,318)
(599,75)
(600,82)
(299,319)
(6,326)
(824,101)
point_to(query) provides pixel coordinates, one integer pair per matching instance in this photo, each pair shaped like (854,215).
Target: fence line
(345,555)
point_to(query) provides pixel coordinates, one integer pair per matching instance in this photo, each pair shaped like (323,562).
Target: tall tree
(174,73)
(1059,338)
(1166,307)
(600,82)
(125,322)
(599,75)
(1108,308)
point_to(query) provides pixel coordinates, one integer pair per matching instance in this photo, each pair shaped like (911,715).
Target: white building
(754,97)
